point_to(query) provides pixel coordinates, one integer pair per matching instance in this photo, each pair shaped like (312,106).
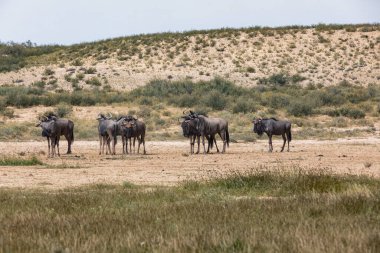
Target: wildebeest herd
(194,126)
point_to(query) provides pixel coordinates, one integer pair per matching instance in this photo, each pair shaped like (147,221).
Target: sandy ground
(168,163)
(351,56)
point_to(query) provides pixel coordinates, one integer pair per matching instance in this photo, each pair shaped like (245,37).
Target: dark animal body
(210,127)
(272,127)
(108,130)
(133,128)
(53,128)
(189,129)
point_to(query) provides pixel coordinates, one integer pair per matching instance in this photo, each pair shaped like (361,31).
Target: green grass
(244,212)
(17,161)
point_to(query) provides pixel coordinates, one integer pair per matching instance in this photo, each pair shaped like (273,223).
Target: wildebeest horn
(38,124)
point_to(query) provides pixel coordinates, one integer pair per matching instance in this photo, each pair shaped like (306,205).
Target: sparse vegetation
(17,161)
(250,205)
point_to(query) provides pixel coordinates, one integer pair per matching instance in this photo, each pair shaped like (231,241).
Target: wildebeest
(212,126)
(272,127)
(134,128)
(189,129)
(53,128)
(108,130)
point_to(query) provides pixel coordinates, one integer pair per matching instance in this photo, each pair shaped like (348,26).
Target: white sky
(75,21)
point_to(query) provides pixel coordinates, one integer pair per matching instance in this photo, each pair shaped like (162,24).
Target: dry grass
(257,211)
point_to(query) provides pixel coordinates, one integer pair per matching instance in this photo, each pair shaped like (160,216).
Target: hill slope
(320,55)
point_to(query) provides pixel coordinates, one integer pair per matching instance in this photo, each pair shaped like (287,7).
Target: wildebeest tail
(290,134)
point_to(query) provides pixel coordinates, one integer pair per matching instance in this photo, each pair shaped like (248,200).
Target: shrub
(39,84)
(300,108)
(241,106)
(48,72)
(77,62)
(90,70)
(351,112)
(186,100)
(63,109)
(94,81)
(278,100)
(145,101)
(251,70)
(215,100)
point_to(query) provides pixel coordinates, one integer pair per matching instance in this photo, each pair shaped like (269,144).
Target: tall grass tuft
(17,161)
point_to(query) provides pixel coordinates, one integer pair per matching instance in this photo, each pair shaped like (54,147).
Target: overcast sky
(75,21)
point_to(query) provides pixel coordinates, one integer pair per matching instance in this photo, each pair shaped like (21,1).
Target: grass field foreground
(264,211)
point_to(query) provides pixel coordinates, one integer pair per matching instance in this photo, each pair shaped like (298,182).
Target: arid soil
(168,163)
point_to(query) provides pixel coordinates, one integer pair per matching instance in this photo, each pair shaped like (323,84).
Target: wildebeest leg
(138,147)
(123,143)
(130,145)
(191,144)
(143,142)
(288,137)
(57,143)
(198,142)
(223,136)
(203,143)
(100,144)
(126,145)
(108,148)
(114,145)
(270,143)
(68,138)
(48,140)
(284,138)
(217,149)
(134,145)
(52,144)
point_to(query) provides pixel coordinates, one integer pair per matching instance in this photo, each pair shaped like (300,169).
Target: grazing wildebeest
(272,127)
(212,126)
(53,128)
(136,129)
(189,130)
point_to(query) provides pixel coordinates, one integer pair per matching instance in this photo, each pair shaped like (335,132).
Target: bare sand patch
(168,163)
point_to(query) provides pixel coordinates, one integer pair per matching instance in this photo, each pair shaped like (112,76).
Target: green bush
(63,110)
(94,81)
(299,108)
(215,100)
(242,106)
(351,112)
(48,72)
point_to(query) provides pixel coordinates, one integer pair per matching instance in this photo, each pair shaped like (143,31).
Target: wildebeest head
(101,116)
(187,126)
(129,127)
(48,126)
(258,126)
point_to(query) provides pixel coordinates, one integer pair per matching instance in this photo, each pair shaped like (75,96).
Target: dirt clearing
(168,163)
